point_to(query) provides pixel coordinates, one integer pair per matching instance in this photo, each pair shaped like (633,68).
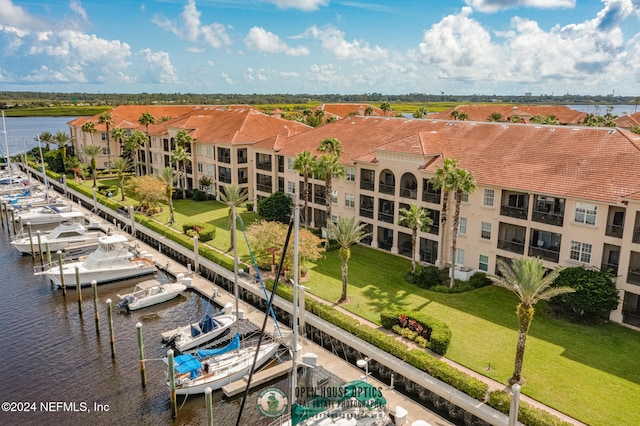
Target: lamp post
(364,363)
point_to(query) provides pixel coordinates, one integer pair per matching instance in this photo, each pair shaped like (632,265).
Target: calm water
(22,131)
(52,354)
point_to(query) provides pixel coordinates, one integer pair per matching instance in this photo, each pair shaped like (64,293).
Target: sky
(453,47)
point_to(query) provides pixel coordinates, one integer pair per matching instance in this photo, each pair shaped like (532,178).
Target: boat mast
(294,343)
(44,174)
(235,265)
(6,148)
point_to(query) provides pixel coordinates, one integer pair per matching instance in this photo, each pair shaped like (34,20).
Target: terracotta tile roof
(343,110)
(480,112)
(126,116)
(580,162)
(628,121)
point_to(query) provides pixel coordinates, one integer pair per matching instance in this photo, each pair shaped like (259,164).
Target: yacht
(67,236)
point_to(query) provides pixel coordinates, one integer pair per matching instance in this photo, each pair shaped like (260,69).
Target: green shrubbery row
(527,414)
(439,335)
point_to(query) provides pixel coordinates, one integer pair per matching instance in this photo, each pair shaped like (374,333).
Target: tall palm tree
(119,135)
(463,182)
(415,218)
(442,180)
(331,146)
(234,197)
(328,167)
(62,140)
(206,182)
(183,141)
(169,177)
(92,151)
(146,119)
(455,114)
(107,120)
(135,140)
(180,156)
(346,231)
(304,163)
(121,166)
(46,137)
(494,116)
(529,280)
(89,127)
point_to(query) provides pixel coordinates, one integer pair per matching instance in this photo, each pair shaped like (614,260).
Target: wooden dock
(259,378)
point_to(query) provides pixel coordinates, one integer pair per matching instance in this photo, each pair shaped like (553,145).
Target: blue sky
(322,46)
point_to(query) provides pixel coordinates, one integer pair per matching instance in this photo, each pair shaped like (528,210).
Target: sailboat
(215,368)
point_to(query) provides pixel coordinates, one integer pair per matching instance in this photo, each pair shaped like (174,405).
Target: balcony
(264,188)
(264,165)
(366,212)
(431,197)
(633,276)
(387,189)
(513,211)
(552,255)
(224,178)
(409,193)
(609,267)
(320,199)
(513,245)
(614,230)
(367,185)
(548,218)
(636,236)
(385,217)
(224,159)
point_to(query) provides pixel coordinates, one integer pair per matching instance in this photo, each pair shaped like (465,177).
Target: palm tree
(529,280)
(442,180)
(455,114)
(494,116)
(46,137)
(180,156)
(329,166)
(119,135)
(304,163)
(169,177)
(62,140)
(233,196)
(135,140)
(463,182)
(146,119)
(92,151)
(107,120)
(416,218)
(206,182)
(463,116)
(121,166)
(385,106)
(346,232)
(89,127)
(368,110)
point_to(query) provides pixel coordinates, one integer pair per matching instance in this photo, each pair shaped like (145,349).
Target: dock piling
(33,253)
(39,237)
(208,405)
(143,373)
(172,384)
(96,315)
(79,287)
(64,287)
(112,341)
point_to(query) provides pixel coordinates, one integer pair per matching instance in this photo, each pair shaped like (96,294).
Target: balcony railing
(224,179)
(513,246)
(385,244)
(548,218)
(320,199)
(512,211)
(243,179)
(224,159)
(434,229)
(636,236)
(431,197)
(633,277)
(385,217)
(368,185)
(264,188)
(544,253)
(614,230)
(264,165)
(609,267)
(409,193)
(387,189)
(364,212)
(242,160)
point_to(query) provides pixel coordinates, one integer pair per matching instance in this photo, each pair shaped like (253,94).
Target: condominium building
(567,194)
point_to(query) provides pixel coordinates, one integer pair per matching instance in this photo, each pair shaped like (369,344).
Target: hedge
(527,414)
(440,333)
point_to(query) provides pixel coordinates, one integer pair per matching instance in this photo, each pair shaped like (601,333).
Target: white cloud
(333,41)
(306,5)
(490,6)
(226,78)
(191,29)
(264,41)
(159,67)
(16,16)
(79,10)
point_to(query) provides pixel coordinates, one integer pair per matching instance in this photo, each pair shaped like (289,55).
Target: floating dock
(259,378)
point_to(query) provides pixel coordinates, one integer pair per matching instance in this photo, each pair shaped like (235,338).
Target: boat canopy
(207,324)
(187,364)
(231,346)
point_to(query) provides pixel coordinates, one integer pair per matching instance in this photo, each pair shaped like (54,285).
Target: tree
(346,231)
(415,218)
(107,120)
(368,110)
(420,112)
(594,298)
(45,137)
(119,135)
(146,119)
(121,166)
(234,197)
(92,151)
(135,140)
(494,116)
(304,163)
(149,190)
(463,182)
(528,279)
(385,106)
(329,166)
(61,139)
(206,182)
(455,114)
(181,156)
(462,116)
(89,127)
(168,178)
(276,207)
(442,179)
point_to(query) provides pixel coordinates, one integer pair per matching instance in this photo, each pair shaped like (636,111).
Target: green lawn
(590,373)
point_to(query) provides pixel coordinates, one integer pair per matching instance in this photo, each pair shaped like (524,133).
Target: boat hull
(185,342)
(171,291)
(101,276)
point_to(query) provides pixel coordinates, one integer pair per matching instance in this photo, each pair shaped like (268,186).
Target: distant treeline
(10,100)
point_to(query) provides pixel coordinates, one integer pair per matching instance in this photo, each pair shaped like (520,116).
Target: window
(483,263)
(586,213)
(210,169)
(350,200)
(459,256)
(462,226)
(580,252)
(465,197)
(200,168)
(486,231)
(289,163)
(350,175)
(488,197)
(199,149)
(334,196)
(209,151)
(291,187)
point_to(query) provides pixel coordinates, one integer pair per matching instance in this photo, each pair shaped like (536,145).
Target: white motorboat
(113,260)
(48,214)
(66,237)
(215,368)
(149,293)
(209,328)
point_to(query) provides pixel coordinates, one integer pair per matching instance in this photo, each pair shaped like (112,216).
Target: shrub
(479,280)
(199,195)
(417,324)
(427,277)
(276,207)
(205,232)
(527,414)
(249,207)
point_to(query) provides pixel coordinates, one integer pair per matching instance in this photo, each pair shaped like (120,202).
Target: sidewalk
(493,385)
